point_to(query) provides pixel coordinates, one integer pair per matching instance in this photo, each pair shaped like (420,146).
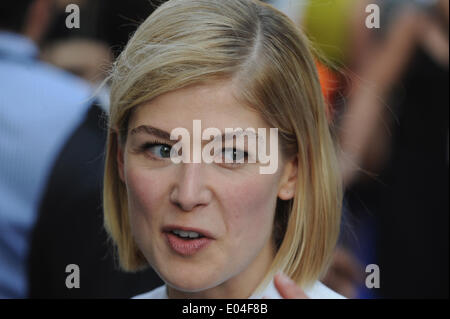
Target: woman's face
(231,206)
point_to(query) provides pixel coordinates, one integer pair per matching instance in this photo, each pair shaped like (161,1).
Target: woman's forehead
(215,104)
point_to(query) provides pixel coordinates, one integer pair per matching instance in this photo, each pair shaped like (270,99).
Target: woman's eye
(159,150)
(232,155)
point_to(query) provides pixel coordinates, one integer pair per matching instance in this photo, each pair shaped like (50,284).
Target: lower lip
(187,247)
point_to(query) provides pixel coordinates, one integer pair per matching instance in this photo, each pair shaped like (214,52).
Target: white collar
(316,291)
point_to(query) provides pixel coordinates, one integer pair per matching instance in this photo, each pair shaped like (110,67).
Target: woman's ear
(120,158)
(288,182)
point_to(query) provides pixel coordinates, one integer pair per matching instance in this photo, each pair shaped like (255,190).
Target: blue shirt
(40,106)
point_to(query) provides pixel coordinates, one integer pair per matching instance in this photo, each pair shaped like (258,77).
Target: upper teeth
(190,234)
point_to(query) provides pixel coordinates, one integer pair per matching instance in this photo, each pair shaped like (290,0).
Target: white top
(317,291)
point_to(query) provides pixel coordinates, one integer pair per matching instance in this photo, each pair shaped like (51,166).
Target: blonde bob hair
(186,42)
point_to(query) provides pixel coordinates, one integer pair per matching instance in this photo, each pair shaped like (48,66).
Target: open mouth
(186,234)
(186,242)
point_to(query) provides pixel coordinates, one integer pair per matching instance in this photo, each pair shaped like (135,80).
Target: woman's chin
(190,284)
(187,276)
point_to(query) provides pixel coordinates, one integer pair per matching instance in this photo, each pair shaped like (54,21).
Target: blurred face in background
(204,228)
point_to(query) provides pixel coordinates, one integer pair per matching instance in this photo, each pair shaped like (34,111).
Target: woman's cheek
(144,191)
(250,205)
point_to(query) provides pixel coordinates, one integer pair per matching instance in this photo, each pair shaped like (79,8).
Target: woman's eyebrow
(147,129)
(233,135)
(151,131)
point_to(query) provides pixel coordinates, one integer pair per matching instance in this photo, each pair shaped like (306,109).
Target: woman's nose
(190,190)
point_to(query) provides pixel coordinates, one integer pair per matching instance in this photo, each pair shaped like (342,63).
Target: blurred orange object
(329,82)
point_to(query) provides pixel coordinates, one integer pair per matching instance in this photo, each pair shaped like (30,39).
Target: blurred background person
(40,106)
(87,58)
(71,208)
(388,99)
(51,147)
(396,127)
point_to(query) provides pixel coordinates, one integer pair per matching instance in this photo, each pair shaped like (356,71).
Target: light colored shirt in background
(40,106)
